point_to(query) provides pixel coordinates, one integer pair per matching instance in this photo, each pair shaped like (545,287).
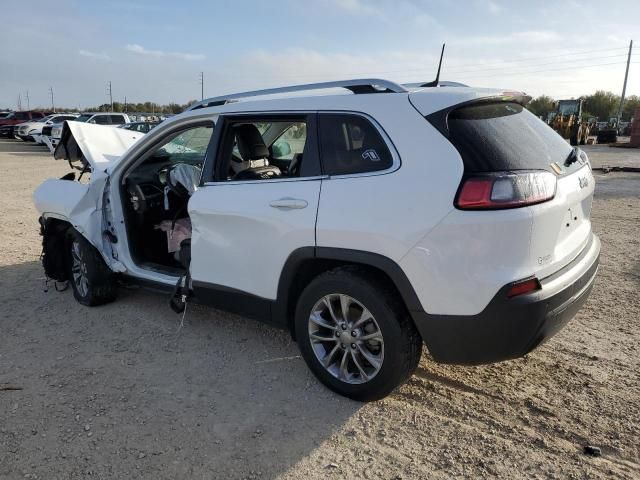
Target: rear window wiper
(573,157)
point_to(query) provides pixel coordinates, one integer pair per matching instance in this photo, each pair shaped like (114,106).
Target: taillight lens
(524,286)
(505,190)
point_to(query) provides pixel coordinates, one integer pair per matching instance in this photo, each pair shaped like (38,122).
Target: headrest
(250,143)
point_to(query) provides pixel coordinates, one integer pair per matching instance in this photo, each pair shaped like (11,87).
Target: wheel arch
(55,234)
(306,263)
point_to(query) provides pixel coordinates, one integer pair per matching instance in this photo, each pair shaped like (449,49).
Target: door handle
(288,203)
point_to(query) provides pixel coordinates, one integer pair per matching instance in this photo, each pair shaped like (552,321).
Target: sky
(155,50)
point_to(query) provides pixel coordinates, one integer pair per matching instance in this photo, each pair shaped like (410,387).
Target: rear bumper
(511,327)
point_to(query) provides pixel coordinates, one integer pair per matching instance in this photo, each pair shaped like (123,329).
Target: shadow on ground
(118,390)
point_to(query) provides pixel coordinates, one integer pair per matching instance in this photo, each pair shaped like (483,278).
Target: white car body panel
(241,241)
(78,203)
(367,202)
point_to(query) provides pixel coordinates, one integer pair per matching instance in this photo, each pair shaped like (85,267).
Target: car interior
(158,188)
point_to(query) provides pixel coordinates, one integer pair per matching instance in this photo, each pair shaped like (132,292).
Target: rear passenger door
(357,197)
(247,218)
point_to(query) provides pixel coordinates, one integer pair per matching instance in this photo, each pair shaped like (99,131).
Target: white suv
(365,223)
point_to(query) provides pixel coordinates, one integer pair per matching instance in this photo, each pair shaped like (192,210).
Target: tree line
(602,105)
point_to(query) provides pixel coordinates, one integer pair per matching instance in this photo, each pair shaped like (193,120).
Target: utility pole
(110,93)
(19,102)
(202,85)
(125,104)
(28,104)
(53,106)
(624,85)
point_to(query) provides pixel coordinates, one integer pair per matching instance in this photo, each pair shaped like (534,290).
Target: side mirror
(281,149)
(91,121)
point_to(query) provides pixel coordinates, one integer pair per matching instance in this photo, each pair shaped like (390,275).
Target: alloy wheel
(346,338)
(79,269)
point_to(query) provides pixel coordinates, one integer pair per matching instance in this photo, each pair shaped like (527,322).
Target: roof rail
(358,86)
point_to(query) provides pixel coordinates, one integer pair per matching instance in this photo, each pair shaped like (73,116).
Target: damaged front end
(80,203)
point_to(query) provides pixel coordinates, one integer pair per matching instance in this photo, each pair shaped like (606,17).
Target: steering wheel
(141,201)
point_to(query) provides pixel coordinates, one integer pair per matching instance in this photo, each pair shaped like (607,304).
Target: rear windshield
(504,136)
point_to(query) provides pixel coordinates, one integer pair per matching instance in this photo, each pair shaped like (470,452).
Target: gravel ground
(118,392)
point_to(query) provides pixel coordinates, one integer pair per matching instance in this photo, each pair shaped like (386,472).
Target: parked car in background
(28,131)
(142,127)
(99,118)
(8,122)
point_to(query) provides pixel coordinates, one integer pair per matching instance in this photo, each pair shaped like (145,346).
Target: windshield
(44,119)
(83,118)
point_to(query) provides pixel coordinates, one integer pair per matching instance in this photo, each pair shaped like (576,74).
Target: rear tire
(361,359)
(92,281)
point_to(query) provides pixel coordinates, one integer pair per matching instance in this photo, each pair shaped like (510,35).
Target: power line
(549,70)
(544,57)
(456,70)
(557,62)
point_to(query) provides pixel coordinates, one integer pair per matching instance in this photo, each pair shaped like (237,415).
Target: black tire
(402,342)
(99,286)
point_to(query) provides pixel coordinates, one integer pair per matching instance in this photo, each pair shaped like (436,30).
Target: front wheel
(355,334)
(92,281)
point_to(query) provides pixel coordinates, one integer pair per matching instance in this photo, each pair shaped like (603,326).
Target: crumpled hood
(99,145)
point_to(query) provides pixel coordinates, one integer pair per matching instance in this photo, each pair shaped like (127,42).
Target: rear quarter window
(351,144)
(504,136)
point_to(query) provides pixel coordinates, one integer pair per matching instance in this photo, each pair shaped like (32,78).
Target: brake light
(499,190)
(524,286)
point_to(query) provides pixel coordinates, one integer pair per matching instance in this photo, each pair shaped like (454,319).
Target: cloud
(139,49)
(494,7)
(356,6)
(99,56)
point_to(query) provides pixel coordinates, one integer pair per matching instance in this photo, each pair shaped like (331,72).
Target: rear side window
(101,119)
(351,144)
(117,119)
(504,136)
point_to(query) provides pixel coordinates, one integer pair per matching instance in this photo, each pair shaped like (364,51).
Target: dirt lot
(115,392)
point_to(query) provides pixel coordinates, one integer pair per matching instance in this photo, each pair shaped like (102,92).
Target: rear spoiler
(439,119)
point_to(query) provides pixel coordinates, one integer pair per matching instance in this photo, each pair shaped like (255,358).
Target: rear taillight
(498,190)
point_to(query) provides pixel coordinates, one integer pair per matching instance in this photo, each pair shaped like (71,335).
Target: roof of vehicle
(348,95)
